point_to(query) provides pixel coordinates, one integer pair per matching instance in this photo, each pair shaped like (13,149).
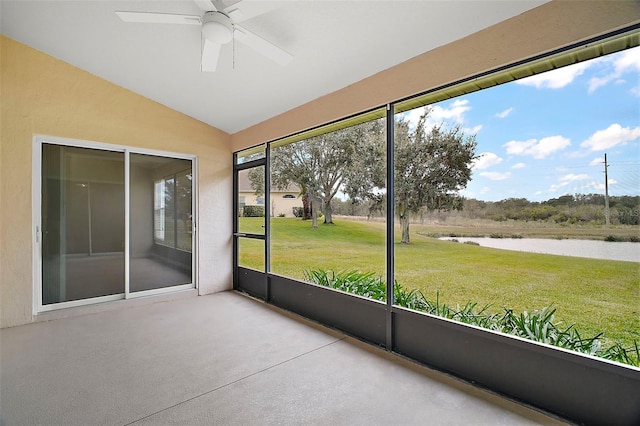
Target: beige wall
(284,206)
(550,26)
(43,95)
(279,205)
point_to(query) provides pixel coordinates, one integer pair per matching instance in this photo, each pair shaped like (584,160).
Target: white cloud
(472,130)
(623,62)
(577,183)
(558,78)
(537,149)
(518,166)
(599,186)
(596,161)
(556,188)
(413,116)
(496,175)
(571,177)
(504,113)
(486,160)
(613,135)
(454,111)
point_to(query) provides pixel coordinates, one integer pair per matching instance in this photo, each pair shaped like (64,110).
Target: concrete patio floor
(224,359)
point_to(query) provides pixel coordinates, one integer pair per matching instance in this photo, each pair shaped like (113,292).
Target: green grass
(595,295)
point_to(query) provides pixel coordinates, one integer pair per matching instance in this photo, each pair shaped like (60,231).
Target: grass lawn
(596,295)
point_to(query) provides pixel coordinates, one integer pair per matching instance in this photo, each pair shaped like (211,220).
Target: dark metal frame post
(390,223)
(235,221)
(267,220)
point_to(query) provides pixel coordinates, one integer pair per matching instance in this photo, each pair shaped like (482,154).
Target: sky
(545,136)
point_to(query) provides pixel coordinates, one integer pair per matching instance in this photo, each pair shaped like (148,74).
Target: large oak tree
(345,160)
(432,164)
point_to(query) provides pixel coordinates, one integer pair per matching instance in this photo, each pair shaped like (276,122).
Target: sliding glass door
(114,224)
(161,222)
(82,223)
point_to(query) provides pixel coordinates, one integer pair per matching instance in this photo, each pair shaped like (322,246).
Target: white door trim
(36,202)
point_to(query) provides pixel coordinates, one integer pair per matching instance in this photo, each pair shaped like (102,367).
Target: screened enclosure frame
(576,386)
(37,228)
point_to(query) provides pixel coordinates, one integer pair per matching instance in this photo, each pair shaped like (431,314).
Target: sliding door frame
(36,199)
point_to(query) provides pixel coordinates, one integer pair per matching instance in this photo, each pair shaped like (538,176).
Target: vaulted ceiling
(334,44)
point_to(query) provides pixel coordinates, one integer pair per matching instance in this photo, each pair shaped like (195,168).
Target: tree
(343,160)
(256,177)
(430,168)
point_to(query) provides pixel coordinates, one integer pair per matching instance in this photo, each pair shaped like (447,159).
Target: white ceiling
(334,43)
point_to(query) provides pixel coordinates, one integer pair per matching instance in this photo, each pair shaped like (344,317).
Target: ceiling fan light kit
(217,27)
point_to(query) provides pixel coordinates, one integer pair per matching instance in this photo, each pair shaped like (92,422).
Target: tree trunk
(314,213)
(306,207)
(328,214)
(404,222)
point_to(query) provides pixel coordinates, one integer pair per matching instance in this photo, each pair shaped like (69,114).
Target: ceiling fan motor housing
(217,27)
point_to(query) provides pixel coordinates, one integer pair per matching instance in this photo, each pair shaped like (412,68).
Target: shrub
(253,211)
(297,211)
(538,325)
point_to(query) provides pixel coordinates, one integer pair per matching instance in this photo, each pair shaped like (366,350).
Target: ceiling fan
(218,27)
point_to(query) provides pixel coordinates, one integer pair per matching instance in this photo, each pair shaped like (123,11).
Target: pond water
(629,252)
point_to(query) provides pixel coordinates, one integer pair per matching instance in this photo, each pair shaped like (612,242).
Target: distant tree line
(567,209)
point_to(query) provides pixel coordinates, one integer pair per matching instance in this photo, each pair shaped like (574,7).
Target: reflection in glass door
(82,217)
(161,222)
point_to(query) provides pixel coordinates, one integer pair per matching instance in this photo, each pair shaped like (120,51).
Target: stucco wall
(543,29)
(279,205)
(43,95)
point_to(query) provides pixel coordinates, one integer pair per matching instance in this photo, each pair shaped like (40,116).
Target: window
(485,158)
(509,229)
(172,210)
(158,211)
(452,150)
(337,238)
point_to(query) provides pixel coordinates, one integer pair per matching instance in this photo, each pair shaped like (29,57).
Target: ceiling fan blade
(158,18)
(210,55)
(247,9)
(262,46)
(206,5)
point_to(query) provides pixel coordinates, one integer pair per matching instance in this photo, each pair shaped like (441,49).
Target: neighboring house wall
(283,200)
(282,203)
(43,95)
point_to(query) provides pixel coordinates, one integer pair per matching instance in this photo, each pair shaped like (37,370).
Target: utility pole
(606,192)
